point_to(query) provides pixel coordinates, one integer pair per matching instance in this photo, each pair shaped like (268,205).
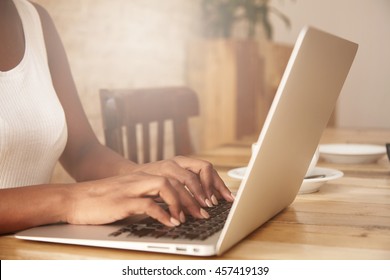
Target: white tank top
(33,130)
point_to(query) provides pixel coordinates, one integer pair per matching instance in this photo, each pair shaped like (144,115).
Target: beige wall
(365,100)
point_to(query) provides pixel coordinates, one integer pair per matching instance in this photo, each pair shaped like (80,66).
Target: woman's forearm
(30,206)
(97,162)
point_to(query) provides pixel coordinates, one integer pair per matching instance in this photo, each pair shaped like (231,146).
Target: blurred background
(233,64)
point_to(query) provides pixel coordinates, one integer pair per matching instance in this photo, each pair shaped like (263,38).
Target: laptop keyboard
(192,229)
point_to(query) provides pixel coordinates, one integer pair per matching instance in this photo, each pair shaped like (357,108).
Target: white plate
(351,153)
(308,185)
(313,185)
(237,173)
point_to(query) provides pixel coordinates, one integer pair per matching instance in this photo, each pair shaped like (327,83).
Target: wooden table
(349,218)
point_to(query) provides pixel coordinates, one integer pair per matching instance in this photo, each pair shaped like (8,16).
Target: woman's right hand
(111,199)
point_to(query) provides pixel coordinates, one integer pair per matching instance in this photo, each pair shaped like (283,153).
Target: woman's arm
(29,206)
(84,157)
(94,202)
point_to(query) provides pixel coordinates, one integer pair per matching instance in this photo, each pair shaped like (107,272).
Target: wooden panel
(250,87)
(212,74)
(236,82)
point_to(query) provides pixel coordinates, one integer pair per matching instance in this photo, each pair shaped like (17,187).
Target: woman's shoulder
(51,37)
(43,14)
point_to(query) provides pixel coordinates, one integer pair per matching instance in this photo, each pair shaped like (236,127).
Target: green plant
(220,16)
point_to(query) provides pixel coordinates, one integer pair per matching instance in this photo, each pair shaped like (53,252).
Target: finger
(221,188)
(149,207)
(201,185)
(188,202)
(157,187)
(170,168)
(209,178)
(170,196)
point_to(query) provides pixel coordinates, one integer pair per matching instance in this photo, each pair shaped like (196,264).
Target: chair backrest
(127,112)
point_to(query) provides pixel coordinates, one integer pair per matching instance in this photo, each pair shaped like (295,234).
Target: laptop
(302,106)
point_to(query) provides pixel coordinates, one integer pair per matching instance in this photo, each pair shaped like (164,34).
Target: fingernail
(208,203)
(182,217)
(204,213)
(233,195)
(174,221)
(214,200)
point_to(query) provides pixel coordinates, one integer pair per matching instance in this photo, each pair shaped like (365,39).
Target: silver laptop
(302,106)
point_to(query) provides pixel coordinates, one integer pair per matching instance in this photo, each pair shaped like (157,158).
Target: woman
(42,121)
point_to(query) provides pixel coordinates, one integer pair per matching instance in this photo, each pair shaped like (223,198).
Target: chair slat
(130,107)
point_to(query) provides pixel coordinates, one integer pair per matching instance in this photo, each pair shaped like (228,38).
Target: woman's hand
(108,200)
(198,176)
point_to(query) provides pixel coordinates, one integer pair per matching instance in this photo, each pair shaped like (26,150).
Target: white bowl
(351,153)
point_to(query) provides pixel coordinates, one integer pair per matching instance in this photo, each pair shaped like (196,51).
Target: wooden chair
(128,112)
